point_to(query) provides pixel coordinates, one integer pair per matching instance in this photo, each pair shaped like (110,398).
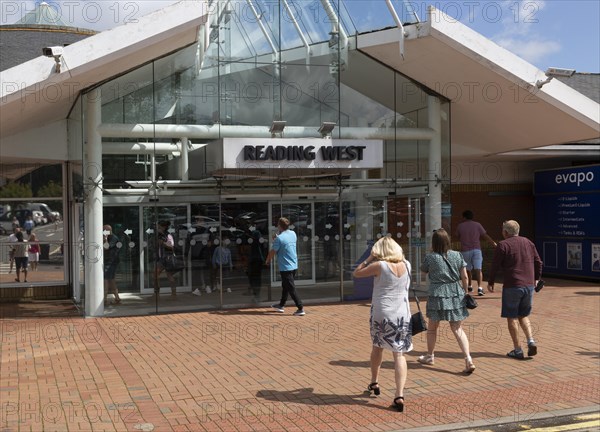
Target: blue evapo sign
(571,180)
(567,207)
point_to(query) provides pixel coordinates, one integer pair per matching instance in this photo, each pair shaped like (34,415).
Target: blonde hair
(511,227)
(387,249)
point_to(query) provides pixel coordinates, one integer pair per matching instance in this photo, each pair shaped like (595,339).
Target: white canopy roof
(496,107)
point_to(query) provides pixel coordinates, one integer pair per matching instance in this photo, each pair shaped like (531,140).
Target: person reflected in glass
(111,262)
(221,262)
(390,311)
(11,249)
(256,262)
(448,284)
(34,252)
(28,224)
(21,248)
(165,245)
(199,247)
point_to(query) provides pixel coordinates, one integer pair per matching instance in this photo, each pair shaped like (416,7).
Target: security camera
(55,51)
(559,72)
(553,73)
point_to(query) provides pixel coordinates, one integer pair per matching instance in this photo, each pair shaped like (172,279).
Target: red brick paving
(245,370)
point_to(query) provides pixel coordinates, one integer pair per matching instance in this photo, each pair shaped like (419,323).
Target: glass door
(177,217)
(78,270)
(301,216)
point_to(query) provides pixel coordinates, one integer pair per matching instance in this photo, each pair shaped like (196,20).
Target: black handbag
(417,323)
(171,263)
(470,302)
(417,320)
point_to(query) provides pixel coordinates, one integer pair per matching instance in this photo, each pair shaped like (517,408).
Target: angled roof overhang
(33,94)
(496,106)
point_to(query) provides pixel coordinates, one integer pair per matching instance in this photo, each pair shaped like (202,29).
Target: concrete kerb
(503,420)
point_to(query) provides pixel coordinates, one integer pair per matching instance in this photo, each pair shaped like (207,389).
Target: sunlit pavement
(258,370)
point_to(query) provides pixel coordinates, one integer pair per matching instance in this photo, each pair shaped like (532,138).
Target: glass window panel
(128,97)
(124,222)
(249,95)
(309,98)
(370,15)
(242,36)
(364,104)
(31,202)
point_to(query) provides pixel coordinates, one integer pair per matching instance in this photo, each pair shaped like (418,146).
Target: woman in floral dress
(390,311)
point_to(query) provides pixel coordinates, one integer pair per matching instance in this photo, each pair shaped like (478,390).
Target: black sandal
(399,403)
(374,387)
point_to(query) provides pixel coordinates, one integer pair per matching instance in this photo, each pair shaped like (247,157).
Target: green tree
(16,190)
(50,189)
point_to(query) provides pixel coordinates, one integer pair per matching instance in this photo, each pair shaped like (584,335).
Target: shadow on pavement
(309,397)
(39,309)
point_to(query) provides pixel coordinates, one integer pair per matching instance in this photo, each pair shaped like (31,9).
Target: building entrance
(222,243)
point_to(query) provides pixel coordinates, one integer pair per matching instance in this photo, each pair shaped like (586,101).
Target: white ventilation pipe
(206,132)
(127,148)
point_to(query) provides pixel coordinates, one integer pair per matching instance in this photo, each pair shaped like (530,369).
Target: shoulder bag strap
(452,269)
(408,284)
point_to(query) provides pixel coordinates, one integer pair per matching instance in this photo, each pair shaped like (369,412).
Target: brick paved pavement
(255,370)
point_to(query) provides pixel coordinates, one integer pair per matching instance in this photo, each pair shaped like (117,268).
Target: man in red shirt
(521,266)
(470,233)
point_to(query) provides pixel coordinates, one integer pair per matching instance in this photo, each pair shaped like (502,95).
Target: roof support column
(92,207)
(185,169)
(434,174)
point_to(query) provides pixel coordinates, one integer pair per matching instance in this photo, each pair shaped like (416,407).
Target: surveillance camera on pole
(56,52)
(553,73)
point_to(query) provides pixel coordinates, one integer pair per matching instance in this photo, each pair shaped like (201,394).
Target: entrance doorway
(224,241)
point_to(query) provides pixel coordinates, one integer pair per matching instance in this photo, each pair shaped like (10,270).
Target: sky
(546,33)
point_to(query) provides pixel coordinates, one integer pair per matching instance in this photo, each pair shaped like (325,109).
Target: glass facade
(255,63)
(31,202)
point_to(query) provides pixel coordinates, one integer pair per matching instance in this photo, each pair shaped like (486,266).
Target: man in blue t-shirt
(284,246)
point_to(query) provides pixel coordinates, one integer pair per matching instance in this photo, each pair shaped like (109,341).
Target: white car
(38,218)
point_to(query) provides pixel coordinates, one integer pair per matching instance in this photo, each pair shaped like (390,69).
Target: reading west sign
(301,153)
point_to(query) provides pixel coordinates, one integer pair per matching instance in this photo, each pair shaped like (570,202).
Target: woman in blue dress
(390,311)
(448,283)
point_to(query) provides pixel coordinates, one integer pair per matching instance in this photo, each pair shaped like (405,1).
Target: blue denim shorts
(517,302)
(473,258)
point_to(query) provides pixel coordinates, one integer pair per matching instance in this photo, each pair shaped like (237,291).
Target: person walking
(521,267)
(470,234)
(21,248)
(256,262)
(446,270)
(390,311)
(165,245)
(28,225)
(284,246)
(11,249)
(34,252)
(111,261)
(222,264)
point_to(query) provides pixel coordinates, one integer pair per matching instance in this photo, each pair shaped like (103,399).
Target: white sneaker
(208,291)
(228,290)
(197,292)
(426,359)
(278,308)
